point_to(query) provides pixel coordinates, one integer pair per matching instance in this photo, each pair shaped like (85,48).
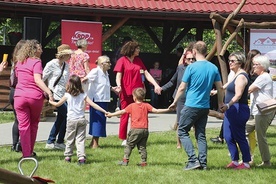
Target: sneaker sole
(192,168)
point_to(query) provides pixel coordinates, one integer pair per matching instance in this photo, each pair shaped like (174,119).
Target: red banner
(71,31)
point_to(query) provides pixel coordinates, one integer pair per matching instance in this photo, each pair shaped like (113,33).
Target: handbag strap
(59,77)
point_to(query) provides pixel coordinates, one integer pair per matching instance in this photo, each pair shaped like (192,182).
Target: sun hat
(63,49)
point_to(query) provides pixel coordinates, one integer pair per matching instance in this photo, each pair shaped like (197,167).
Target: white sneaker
(50,146)
(60,146)
(123,143)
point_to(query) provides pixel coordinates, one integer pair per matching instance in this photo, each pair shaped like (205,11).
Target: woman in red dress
(130,73)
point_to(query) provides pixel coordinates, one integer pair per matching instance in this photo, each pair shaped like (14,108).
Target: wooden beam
(181,35)
(254,25)
(221,59)
(153,37)
(239,39)
(114,28)
(225,23)
(46,22)
(52,35)
(233,15)
(233,35)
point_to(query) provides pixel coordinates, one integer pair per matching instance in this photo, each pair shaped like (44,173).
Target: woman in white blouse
(56,72)
(262,89)
(99,91)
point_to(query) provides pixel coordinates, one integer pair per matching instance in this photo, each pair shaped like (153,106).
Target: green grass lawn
(165,163)
(6,116)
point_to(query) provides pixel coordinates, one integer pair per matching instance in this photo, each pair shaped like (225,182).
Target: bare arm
(117,113)
(220,92)
(181,58)
(59,103)
(3,65)
(240,84)
(118,81)
(154,110)
(157,88)
(95,106)
(252,88)
(150,78)
(86,67)
(181,89)
(39,82)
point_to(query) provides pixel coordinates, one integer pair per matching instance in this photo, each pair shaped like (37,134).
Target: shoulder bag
(267,106)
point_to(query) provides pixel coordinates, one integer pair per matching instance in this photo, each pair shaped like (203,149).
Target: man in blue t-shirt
(197,82)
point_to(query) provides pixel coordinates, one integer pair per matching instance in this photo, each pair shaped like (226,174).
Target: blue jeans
(196,117)
(153,97)
(59,127)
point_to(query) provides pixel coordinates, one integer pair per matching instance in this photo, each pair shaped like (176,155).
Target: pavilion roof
(267,7)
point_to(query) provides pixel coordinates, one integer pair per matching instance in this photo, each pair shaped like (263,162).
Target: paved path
(157,122)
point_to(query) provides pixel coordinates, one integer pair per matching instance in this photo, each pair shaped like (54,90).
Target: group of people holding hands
(71,84)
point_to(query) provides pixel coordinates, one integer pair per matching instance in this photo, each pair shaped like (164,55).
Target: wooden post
(114,28)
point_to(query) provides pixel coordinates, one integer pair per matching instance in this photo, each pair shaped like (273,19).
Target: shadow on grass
(160,142)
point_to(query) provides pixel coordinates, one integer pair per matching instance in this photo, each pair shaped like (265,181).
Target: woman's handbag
(267,106)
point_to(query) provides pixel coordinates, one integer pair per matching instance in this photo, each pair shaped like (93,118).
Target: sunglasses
(232,61)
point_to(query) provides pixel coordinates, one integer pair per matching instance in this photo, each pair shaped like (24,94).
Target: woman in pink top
(79,62)
(28,96)
(156,73)
(130,71)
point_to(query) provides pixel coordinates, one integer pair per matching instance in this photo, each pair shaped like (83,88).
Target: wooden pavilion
(168,14)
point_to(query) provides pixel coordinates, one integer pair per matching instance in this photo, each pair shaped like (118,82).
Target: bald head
(200,48)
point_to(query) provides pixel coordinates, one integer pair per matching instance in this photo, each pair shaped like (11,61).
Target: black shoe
(217,140)
(18,147)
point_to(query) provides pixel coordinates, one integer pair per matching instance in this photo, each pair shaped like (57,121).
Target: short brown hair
(129,48)
(139,94)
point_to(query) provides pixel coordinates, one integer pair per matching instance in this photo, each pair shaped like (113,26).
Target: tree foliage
(137,33)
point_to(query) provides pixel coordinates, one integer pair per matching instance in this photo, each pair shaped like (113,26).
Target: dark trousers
(234,131)
(59,127)
(15,131)
(137,137)
(153,97)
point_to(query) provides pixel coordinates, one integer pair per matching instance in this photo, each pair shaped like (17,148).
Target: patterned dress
(76,64)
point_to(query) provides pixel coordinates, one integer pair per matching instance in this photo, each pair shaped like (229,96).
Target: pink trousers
(28,112)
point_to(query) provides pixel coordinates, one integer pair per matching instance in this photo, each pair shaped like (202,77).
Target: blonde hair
(28,49)
(139,94)
(15,51)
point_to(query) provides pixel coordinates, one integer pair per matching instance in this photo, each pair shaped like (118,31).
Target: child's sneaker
(124,162)
(124,142)
(142,164)
(81,161)
(67,159)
